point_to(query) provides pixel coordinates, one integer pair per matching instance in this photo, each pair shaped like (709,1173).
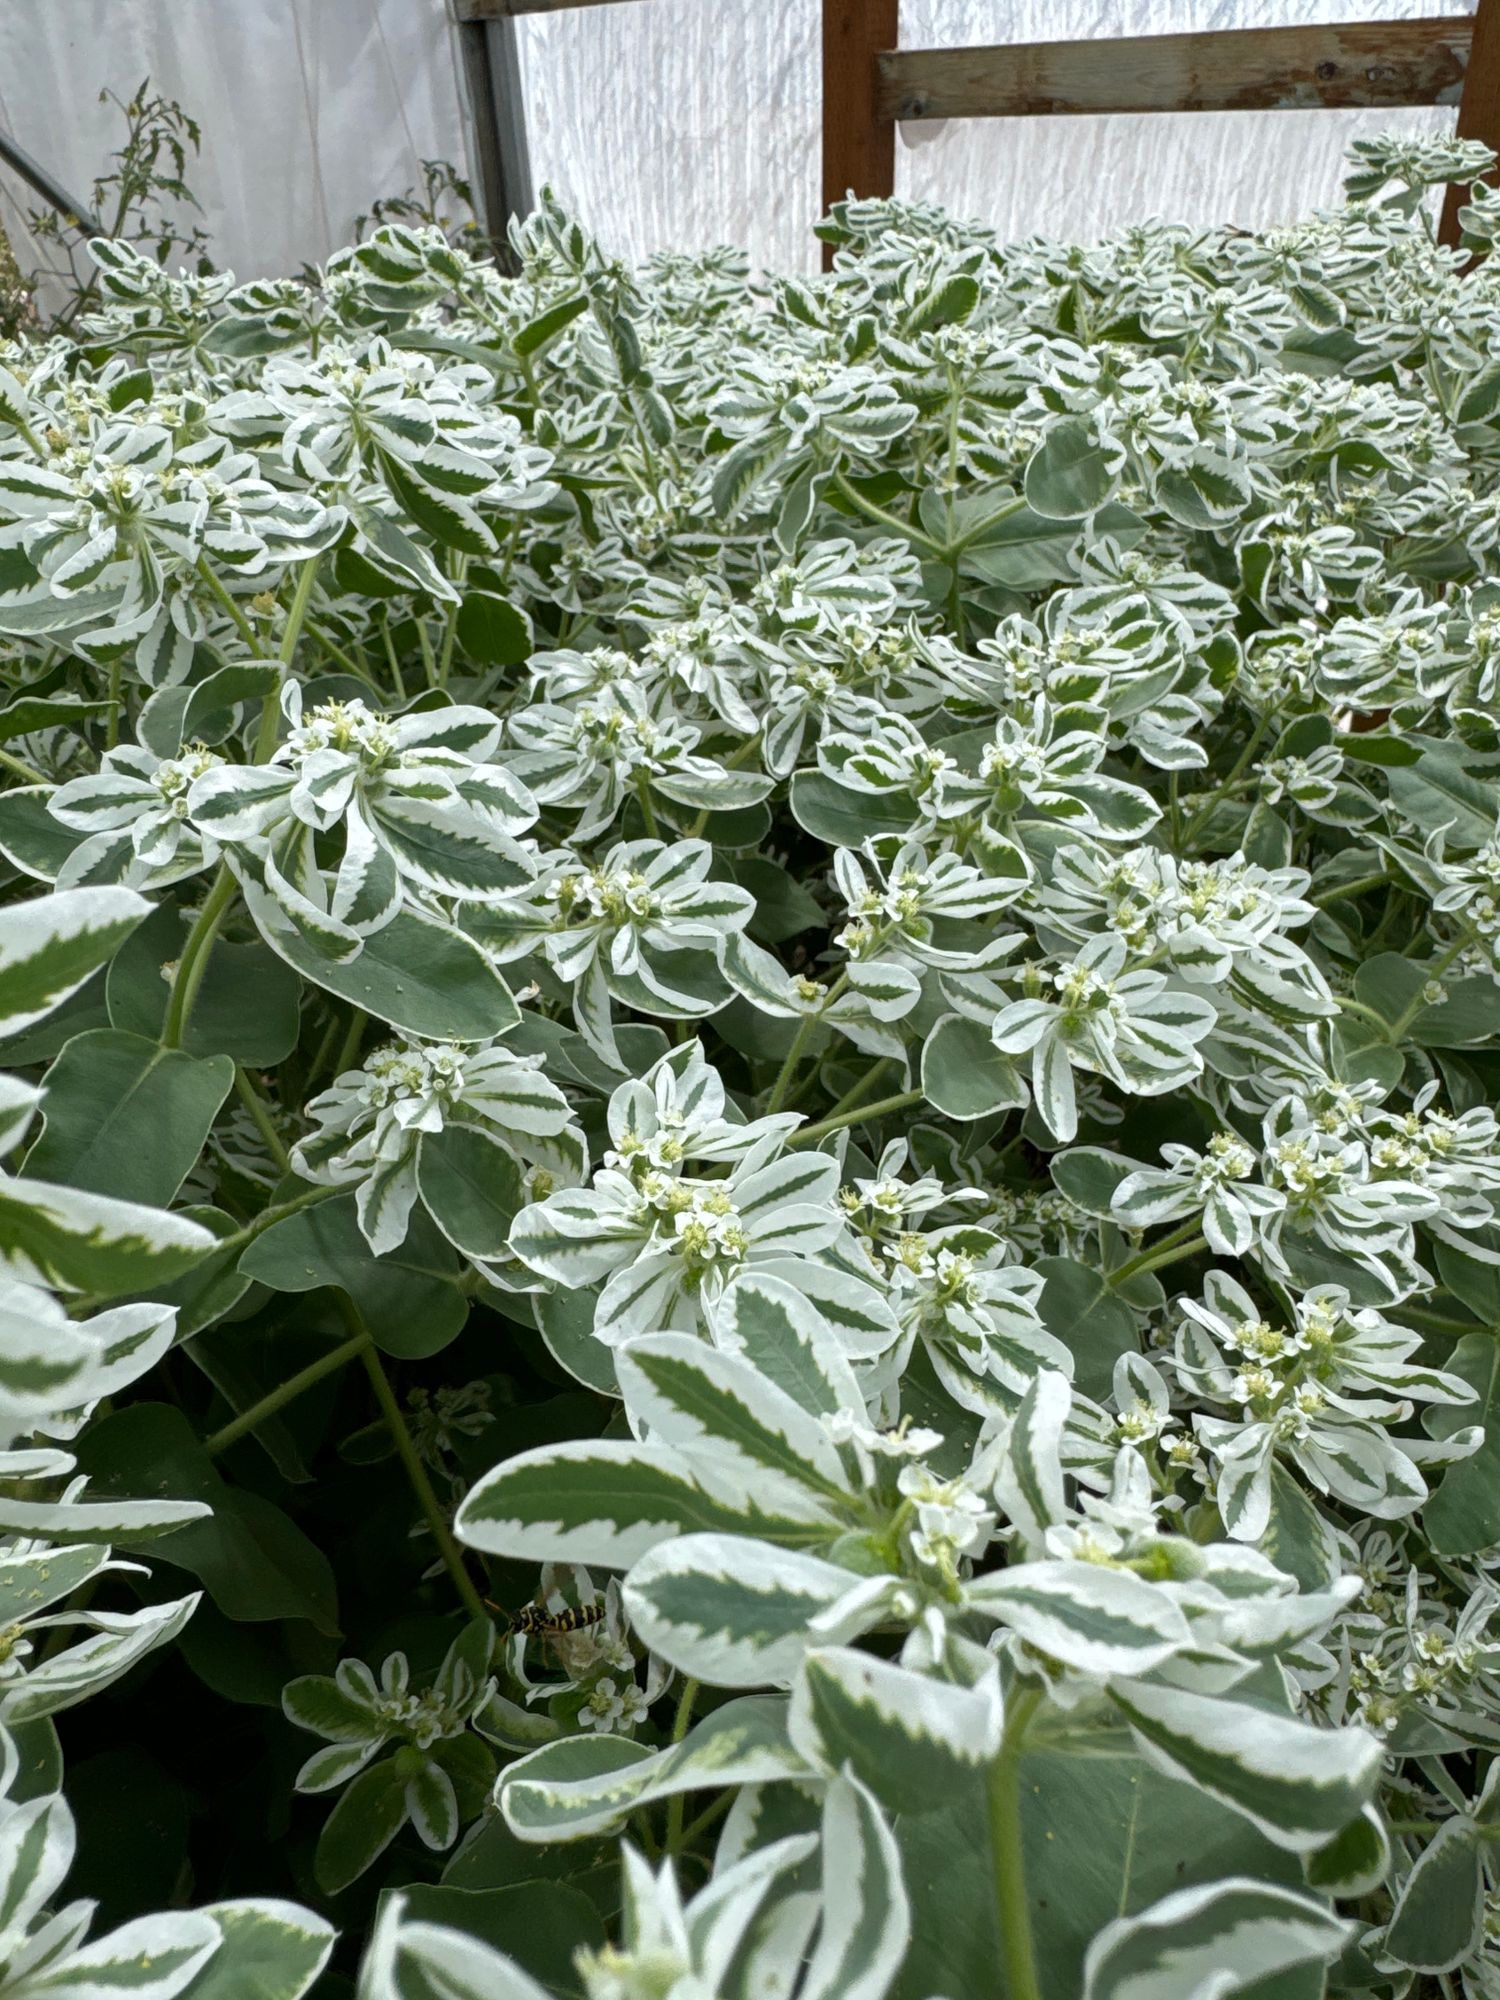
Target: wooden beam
(1226,69)
(1479,107)
(859,150)
(500,10)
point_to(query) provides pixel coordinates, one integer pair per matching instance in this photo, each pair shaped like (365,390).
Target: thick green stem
(880,1109)
(416,1471)
(1007,1848)
(1184,1242)
(236,616)
(194,960)
(1342,890)
(259,1110)
(806,1028)
(681,1723)
(269,1217)
(885,520)
(1419,1000)
(23,770)
(284,1393)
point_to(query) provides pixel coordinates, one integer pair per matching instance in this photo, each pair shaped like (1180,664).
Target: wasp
(535,1621)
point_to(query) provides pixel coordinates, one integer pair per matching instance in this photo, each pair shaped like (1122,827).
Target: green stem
(22,769)
(284,1393)
(237,617)
(112,727)
(268,1217)
(1252,743)
(1432,1322)
(256,1105)
(879,515)
(429,658)
(806,1028)
(194,960)
(416,1471)
(270,713)
(348,1054)
(1355,888)
(648,811)
(1410,1012)
(1184,1242)
(676,1805)
(880,1109)
(858,1092)
(1003,1790)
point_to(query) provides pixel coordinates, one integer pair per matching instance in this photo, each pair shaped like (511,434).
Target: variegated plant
(751,1045)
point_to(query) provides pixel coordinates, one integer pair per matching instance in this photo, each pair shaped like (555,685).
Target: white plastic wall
(664,123)
(310,109)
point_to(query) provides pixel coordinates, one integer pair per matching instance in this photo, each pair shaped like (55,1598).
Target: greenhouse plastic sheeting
(310,109)
(662,122)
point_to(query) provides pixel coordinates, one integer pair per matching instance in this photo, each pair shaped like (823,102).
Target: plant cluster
(750,1074)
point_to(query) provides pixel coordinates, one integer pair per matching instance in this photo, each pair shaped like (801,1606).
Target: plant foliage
(750,1035)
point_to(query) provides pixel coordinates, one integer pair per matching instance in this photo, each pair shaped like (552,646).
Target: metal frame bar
(492,77)
(52,192)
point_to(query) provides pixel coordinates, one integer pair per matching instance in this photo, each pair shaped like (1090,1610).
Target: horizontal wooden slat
(498,10)
(1227,69)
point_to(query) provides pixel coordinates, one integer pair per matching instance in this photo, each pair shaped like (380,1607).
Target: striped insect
(535,1621)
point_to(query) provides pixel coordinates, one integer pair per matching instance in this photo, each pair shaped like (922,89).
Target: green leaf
(92,1243)
(29,835)
(1068,476)
(125,1117)
(604,1501)
(1226,1938)
(1441,1906)
(409,1299)
(50,946)
(964,1075)
(591,1784)
(843,818)
(1092,1323)
(730,1610)
(1463,1516)
(20,718)
(367,1818)
(492,631)
(1088,1176)
(416,974)
(268,1951)
(539,1925)
(471,1187)
(1298,1783)
(255,1563)
(1104,1835)
(247,1007)
(907,1736)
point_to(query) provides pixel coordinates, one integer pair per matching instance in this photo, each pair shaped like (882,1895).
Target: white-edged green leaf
(50,946)
(731,1611)
(1209,1943)
(908,1736)
(91,1242)
(1098,1620)
(268,1950)
(602,1501)
(591,1784)
(866,1920)
(1300,1784)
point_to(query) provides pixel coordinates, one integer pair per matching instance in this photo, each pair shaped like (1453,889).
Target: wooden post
(1479,107)
(859,148)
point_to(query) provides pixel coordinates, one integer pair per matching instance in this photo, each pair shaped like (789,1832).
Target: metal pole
(492,77)
(51,191)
